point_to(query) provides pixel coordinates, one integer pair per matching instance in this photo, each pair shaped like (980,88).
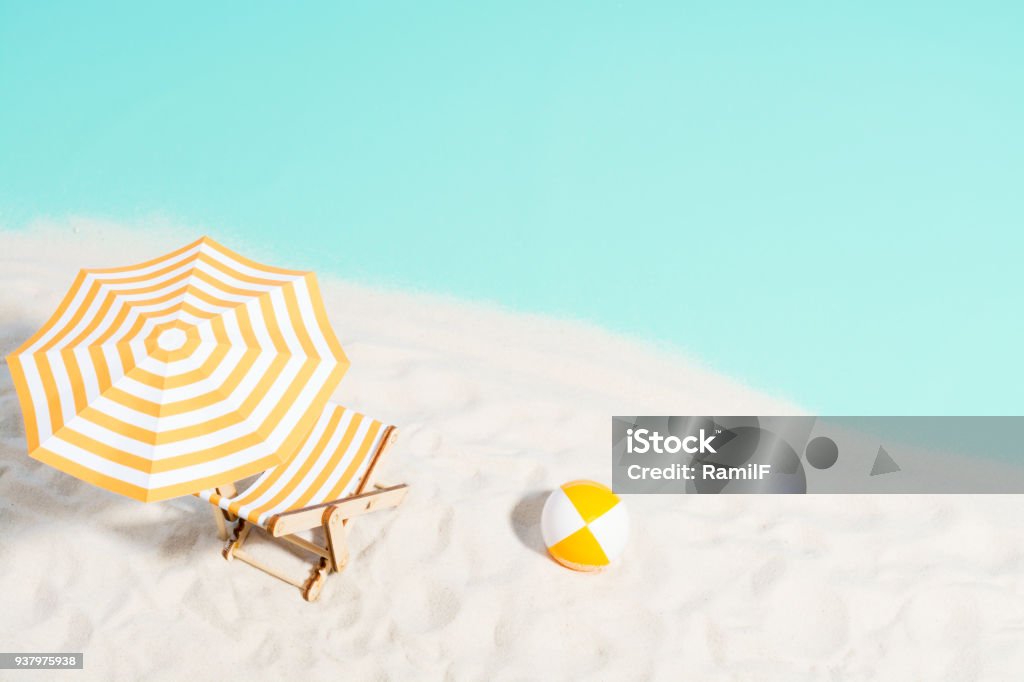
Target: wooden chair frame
(332,516)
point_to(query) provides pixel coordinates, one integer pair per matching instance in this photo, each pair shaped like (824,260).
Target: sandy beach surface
(496,408)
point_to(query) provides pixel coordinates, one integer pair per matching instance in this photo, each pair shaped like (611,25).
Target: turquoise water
(823,202)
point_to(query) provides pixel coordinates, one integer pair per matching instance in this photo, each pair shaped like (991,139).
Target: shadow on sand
(39,497)
(525,520)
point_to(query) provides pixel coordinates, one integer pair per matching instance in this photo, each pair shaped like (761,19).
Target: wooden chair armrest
(316,515)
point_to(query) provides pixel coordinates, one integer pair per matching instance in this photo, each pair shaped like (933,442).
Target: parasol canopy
(179,374)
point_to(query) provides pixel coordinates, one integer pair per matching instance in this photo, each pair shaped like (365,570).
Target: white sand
(495,408)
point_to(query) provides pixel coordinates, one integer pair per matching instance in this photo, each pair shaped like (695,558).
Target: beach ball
(585,525)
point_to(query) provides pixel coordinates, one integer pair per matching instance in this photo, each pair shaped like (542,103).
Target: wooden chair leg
(330,559)
(334,530)
(235,543)
(315,583)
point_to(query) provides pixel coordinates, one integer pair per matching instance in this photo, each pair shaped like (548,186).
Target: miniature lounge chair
(322,485)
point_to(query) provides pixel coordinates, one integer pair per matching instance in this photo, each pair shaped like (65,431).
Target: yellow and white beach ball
(585,525)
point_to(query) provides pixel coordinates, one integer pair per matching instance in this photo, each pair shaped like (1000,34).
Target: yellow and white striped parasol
(179,374)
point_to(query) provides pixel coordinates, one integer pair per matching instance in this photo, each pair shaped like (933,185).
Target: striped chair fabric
(331,464)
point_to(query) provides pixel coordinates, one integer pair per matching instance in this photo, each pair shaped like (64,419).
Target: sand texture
(496,408)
